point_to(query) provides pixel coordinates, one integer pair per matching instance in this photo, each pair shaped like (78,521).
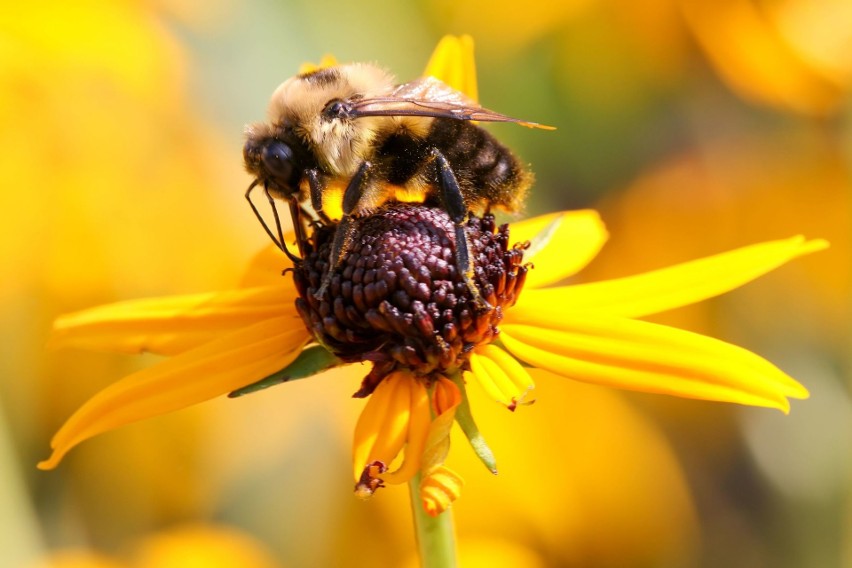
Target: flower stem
(436,541)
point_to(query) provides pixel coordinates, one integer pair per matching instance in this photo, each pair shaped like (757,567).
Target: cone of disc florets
(397,298)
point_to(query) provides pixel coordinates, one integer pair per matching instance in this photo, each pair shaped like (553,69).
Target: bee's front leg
(453,200)
(298,225)
(317,184)
(352,197)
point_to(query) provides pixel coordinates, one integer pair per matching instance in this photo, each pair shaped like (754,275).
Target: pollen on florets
(397,298)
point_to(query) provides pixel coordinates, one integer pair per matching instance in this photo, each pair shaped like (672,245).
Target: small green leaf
(468,426)
(311,361)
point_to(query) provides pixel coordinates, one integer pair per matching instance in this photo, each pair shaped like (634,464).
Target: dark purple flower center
(397,299)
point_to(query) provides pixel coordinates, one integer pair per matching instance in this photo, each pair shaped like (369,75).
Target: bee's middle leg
(453,200)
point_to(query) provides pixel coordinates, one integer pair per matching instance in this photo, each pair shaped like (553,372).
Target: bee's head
(271,160)
(315,105)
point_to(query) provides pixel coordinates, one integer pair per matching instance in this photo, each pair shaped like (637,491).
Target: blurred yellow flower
(184,546)
(95,114)
(581,468)
(790,55)
(746,43)
(730,190)
(102,133)
(493,552)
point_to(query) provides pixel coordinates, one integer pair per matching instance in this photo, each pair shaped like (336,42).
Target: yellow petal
(173,324)
(446,397)
(393,430)
(439,489)
(369,425)
(500,374)
(418,431)
(453,63)
(643,356)
(267,266)
(664,289)
(396,415)
(215,368)
(490,384)
(562,244)
(327,60)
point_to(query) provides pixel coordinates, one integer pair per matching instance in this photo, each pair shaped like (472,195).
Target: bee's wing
(430,97)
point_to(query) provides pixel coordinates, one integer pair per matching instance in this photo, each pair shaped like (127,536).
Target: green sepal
(310,361)
(464,418)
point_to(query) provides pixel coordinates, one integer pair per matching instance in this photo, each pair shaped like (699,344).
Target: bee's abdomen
(488,170)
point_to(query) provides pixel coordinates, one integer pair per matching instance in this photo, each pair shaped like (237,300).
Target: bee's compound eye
(278,160)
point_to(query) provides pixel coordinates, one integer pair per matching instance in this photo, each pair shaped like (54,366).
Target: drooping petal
(439,489)
(205,372)
(643,356)
(503,378)
(562,244)
(418,432)
(446,397)
(393,431)
(453,63)
(370,422)
(173,324)
(664,289)
(396,415)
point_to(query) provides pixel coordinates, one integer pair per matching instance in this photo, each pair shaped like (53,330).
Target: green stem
(436,541)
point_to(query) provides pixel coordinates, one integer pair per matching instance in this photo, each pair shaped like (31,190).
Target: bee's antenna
(279,241)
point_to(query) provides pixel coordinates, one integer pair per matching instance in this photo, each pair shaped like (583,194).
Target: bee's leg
(296,218)
(279,231)
(343,235)
(279,240)
(453,200)
(298,224)
(316,194)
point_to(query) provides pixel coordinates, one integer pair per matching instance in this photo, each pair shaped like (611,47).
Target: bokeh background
(694,126)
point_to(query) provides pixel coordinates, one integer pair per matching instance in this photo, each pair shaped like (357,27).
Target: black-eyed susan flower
(398,303)
(222,342)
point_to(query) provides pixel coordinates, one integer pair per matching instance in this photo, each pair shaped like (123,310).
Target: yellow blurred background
(694,126)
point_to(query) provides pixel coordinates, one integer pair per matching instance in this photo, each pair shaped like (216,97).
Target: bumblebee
(351,126)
